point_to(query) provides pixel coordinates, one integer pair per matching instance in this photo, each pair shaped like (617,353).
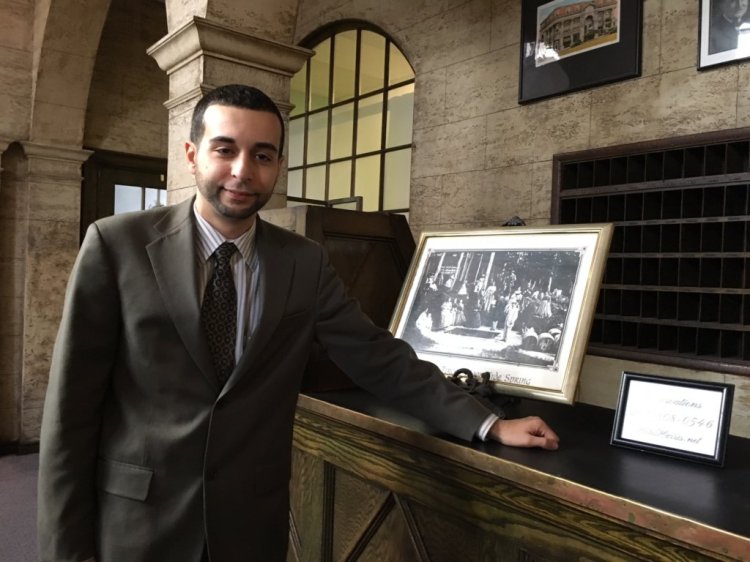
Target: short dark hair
(233,95)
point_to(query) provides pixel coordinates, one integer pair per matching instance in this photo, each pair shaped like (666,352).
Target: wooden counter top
(665,499)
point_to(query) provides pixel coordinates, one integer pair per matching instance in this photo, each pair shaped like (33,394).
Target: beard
(210,191)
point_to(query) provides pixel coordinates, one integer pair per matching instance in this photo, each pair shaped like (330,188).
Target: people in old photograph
(728,23)
(503,305)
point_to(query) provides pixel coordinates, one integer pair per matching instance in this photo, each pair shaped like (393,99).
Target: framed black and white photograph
(673,417)
(570,45)
(515,302)
(724,32)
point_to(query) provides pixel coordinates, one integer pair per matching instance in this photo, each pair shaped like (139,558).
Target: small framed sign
(674,417)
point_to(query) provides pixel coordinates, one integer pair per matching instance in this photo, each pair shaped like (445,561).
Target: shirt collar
(208,239)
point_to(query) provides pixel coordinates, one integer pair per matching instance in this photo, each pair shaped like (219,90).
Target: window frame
(311,41)
(105,169)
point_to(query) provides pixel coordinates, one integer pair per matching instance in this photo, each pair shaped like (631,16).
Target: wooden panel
(448,538)
(306,507)
(391,540)
(357,504)
(371,252)
(370,272)
(459,509)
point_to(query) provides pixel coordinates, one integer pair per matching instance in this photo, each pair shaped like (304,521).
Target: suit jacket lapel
(172,257)
(275,277)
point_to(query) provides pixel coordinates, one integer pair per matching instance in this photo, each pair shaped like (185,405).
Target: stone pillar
(201,55)
(39,222)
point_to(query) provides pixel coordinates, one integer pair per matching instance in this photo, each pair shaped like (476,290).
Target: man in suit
(157,443)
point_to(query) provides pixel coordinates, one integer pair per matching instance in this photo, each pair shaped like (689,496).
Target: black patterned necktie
(219,312)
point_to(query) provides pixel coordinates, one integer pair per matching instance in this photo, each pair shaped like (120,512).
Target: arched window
(350,132)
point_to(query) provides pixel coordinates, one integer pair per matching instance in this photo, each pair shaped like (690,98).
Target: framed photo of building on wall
(724,32)
(515,302)
(569,45)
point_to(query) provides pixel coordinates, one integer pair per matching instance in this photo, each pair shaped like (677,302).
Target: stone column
(39,221)
(201,55)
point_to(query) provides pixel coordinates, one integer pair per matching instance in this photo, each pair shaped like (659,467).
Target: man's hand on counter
(525,432)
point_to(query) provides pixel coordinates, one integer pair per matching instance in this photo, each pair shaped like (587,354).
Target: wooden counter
(372,484)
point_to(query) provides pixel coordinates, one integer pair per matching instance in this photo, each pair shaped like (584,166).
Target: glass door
(115,183)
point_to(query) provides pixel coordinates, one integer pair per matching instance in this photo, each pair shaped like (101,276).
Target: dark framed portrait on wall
(724,32)
(570,45)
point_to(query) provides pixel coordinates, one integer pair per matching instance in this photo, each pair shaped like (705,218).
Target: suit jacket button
(211,474)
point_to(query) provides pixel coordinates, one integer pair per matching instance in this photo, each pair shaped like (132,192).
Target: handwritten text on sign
(673,416)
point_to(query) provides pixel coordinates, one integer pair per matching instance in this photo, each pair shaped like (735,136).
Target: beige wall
(16,53)
(480,157)
(474,141)
(126,110)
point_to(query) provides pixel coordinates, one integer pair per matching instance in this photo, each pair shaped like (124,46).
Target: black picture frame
(720,40)
(587,52)
(674,417)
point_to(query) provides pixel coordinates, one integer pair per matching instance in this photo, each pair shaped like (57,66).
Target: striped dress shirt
(245,272)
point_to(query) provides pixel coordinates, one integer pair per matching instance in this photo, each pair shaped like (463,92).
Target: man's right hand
(525,432)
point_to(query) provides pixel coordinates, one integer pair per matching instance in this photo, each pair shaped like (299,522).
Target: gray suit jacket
(143,457)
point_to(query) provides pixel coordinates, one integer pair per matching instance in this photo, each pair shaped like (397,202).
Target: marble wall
(16,56)
(15,62)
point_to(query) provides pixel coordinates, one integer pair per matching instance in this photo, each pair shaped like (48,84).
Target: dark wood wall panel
(356,506)
(392,540)
(306,507)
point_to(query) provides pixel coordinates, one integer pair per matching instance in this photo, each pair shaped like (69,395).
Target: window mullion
(374,192)
(355,112)
(305,128)
(383,126)
(329,133)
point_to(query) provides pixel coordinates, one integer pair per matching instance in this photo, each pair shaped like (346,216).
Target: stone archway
(63,64)
(218,39)
(41,191)
(209,42)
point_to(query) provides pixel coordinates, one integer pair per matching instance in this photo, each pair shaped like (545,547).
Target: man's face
(734,9)
(235,165)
